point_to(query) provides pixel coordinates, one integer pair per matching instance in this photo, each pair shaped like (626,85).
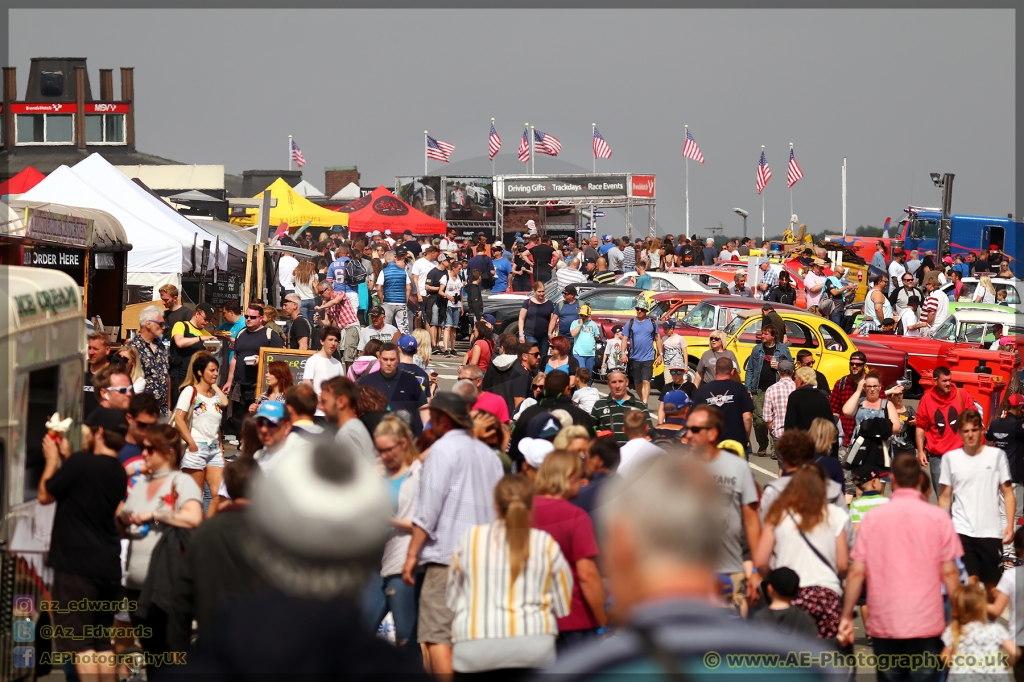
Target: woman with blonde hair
(505,583)
(134,368)
(422,357)
(304,281)
(575,439)
(974,648)
(985,292)
(654,254)
(802,531)
(400,459)
(558,481)
(824,434)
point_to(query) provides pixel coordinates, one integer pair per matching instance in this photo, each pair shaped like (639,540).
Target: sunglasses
(121,389)
(535,354)
(715,338)
(264,423)
(856,364)
(695,429)
(253,317)
(159,324)
(538,387)
(677,371)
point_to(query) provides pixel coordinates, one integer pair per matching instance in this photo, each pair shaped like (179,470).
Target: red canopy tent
(22,182)
(382,210)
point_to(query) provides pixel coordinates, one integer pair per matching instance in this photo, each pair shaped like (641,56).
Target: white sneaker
(233,442)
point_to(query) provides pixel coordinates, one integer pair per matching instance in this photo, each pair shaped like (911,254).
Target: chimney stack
(9,95)
(128,97)
(106,85)
(80,106)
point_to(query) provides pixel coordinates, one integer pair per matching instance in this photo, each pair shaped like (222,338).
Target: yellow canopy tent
(294,209)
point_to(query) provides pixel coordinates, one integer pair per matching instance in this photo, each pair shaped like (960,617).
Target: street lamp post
(743,214)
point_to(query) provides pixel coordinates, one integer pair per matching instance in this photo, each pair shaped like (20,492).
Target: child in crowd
(613,351)
(1007,594)
(870,484)
(782,584)
(970,638)
(584,398)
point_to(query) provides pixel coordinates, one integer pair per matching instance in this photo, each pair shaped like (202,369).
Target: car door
(832,358)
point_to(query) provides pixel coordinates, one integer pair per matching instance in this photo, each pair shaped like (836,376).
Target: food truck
(41,371)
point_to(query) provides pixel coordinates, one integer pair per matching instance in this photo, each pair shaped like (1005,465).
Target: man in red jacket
(937,417)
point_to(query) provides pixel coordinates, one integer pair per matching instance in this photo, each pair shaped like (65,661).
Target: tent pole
(424,152)
(289,152)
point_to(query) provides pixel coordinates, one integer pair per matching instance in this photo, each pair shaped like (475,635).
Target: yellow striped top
(486,603)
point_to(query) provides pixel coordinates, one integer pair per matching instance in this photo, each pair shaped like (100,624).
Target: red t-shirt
(485,354)
(939,418)
(572,529)
(493,403)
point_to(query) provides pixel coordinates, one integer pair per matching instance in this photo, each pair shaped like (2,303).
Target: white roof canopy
(307,190)
(349,192)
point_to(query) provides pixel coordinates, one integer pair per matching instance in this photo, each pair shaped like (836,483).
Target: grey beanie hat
(319,520)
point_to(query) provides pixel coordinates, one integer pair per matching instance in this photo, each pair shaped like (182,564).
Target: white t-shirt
(612,351)
(453,285)
(421,268)
(908,317)
(1008,586)
(793,552)
(318,370)
(305,290)
(447,245)
(941,310)
(206,414)
(675,349)
(634,452)
(385,334)
(285,267)
(813,280)
(896,272)
(975,482)
(727,255)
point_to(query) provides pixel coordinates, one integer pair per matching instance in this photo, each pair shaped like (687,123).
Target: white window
(104,128)
(45,128)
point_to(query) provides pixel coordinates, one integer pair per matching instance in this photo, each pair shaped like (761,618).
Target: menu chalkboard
(296,360)
(227,288)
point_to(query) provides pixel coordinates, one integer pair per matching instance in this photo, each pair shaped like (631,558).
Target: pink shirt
(903,545)
(493,403)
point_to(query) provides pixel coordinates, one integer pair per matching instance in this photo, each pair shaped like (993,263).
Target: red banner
(44,107)
(642,186)
(105,108)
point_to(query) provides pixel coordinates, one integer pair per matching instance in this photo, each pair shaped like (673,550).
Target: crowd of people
(523,520)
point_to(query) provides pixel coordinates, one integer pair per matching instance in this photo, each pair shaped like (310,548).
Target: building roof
(180,177)
(307,190)
(47,159)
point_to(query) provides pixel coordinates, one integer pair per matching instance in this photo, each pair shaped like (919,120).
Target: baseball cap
(108,419)
(585,309)
(668,324)
(543,425)
(407,344)
(786,366)
(993,247)
(569,289)
(616,329)
(443,258)
(376,310)
(407,233)
(784,581)
(206,308)
(272,410)
(947,259)
(535,450)
(606,237)
(1016,400)
(818,261)
(387,231)
(865,473)
(677,400)
(733,446)
(489,319)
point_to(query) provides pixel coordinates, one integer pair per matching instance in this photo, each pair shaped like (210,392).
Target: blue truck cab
(919,230)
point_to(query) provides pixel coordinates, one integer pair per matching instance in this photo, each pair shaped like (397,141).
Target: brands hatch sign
(565,186)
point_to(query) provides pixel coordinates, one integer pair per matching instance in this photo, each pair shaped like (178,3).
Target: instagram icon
(24,605)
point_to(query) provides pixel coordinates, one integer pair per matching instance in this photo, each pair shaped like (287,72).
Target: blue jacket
(755,361)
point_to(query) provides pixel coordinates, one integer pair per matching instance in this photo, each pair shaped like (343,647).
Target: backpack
(355,273)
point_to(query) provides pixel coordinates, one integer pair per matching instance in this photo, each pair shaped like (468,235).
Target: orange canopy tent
(382,210)
(22,182)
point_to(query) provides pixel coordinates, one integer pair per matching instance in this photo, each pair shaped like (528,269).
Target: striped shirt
(628,259)
(865,503)
(609,414)
(487,605)
(604,277)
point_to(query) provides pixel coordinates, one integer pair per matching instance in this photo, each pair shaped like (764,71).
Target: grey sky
(898,92)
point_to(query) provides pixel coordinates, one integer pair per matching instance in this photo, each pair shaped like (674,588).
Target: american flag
(764,173)
(524,147)
(794,173)
(494,142)
(691,150)
(297,156)
(601,148)
(439,150)
(546,144)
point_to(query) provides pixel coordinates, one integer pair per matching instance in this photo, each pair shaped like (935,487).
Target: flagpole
(424,152)
(844,196)
(289,152)
(488,144)
(791,186)
(686,199)
(593,127)
(533,155)
(762,205)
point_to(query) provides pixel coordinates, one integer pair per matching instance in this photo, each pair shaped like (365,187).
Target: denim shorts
(209,455)
(451,316)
